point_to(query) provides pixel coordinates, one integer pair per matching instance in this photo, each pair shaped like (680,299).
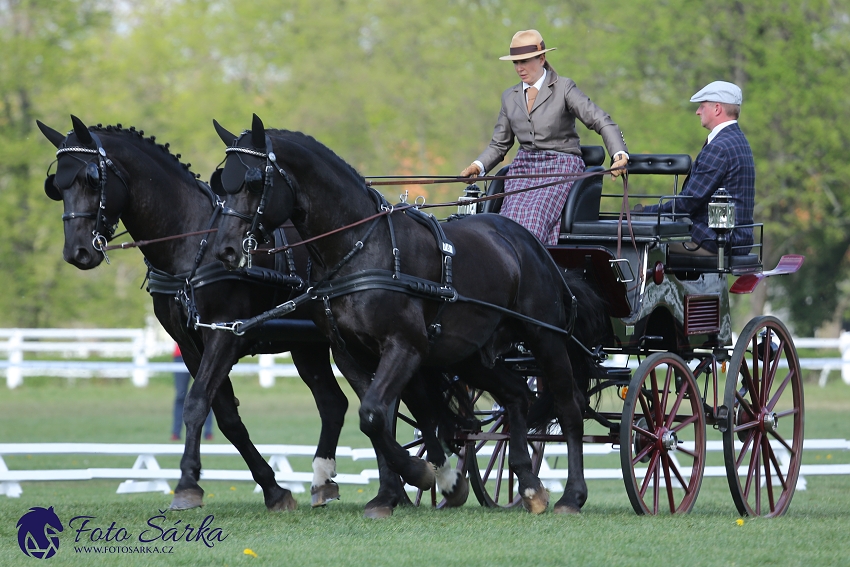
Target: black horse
(155,196)
(402,294)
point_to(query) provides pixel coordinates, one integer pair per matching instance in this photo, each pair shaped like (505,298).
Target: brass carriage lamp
(721,219)
(471,193)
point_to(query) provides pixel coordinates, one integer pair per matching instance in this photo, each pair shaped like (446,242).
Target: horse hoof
(324,493)
(285,503)
(459,495)
(425,477)
(566,509)
(378,512)
(535,501)
(187,499)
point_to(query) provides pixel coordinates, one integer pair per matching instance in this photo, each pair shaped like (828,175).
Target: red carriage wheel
(492,481)
(662,436)
(763,435)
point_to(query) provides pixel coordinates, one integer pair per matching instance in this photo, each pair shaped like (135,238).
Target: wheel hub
(669,441)
(770,422)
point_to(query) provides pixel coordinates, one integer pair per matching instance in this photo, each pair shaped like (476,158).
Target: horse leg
(422,401)
(395,369)
(313,364)
(276,498)
(511,391)
(569,409)
(211,388)
(390,489)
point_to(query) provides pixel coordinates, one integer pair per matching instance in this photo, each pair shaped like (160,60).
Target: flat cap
(719,91)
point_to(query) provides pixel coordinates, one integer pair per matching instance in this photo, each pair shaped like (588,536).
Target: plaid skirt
(539,210)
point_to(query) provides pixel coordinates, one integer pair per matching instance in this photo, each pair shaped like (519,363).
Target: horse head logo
(38,532)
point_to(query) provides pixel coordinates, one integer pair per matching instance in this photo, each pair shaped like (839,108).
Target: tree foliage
(412,87)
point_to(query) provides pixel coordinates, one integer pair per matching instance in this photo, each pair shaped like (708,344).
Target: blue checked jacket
(726,162)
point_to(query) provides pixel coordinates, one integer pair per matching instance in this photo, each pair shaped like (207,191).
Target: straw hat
(525,45)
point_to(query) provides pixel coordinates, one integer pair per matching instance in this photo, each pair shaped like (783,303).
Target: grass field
(813,533)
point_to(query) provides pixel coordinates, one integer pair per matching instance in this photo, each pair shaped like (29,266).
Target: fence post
(140,361)
(14,373)
(266,372)
(844,347)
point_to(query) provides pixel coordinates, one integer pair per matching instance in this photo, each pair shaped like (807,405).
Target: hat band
(527,49)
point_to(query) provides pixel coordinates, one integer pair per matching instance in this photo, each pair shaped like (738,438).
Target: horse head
(93,189)
(248,182)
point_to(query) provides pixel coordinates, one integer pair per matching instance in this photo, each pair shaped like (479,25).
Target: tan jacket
(551,125)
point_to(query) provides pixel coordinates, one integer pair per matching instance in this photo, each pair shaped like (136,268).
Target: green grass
(813,533)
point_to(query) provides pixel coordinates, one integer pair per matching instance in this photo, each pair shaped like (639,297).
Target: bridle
(96,179)
(256,180)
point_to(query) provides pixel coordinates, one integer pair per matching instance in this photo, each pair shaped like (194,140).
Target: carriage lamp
(471,193)
(721,218)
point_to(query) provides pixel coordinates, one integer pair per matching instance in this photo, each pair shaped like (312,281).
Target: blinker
(50,188)
(93,175)
(254,180)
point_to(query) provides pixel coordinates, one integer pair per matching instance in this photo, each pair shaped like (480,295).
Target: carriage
(668,315)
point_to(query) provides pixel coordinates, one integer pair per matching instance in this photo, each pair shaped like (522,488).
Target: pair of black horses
(477,290)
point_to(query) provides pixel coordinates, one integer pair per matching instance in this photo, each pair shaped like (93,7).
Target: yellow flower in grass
(740,521)
(250,552)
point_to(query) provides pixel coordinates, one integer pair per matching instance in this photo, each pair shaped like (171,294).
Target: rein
(138,243)
(404,206)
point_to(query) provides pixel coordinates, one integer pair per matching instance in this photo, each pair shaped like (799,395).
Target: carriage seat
(584,196)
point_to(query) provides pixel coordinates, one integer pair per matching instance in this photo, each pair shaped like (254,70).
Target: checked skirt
(539,210)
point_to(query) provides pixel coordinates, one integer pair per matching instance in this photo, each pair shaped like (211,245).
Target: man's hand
(618,166)
(637,208)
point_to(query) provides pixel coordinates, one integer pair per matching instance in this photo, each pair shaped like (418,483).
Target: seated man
(726,161)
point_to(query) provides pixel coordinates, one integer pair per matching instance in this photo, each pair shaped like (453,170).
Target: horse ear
(55,137)
(215,183)
(225,136)
(81,130)
(50,188)
(258,133)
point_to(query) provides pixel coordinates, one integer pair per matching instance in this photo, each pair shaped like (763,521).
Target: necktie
(531,93)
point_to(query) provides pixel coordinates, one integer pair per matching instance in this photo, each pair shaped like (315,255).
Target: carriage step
(618,373)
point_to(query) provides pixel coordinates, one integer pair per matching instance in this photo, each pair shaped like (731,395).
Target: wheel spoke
(742,455)
(745,404)
(752,470)
(665,462)
(685,422)
(771,368)
(498,490)
(779,391)
(662,407)
(674,411)
(776,467)
(647,412)
(784,443)
(650,470)
(657,410)
(679,477)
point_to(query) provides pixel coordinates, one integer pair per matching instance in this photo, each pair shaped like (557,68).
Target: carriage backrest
(593,156)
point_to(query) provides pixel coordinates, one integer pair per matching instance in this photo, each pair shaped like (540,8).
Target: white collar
(538,84)
(718,128)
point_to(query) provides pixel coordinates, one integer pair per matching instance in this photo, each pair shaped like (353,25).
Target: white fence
(75,347)
(147,476)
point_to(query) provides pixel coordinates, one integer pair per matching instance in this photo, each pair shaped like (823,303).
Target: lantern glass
(721,211)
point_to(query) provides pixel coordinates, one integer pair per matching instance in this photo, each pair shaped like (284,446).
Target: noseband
(96,177)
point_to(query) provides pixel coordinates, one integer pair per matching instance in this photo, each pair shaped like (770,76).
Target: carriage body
(670,313)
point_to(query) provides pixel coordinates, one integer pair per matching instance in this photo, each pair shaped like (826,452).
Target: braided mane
(136,136)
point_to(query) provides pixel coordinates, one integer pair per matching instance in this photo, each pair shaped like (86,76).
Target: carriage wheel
(763,437)
(418,446)
(662,436)
(490,477)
